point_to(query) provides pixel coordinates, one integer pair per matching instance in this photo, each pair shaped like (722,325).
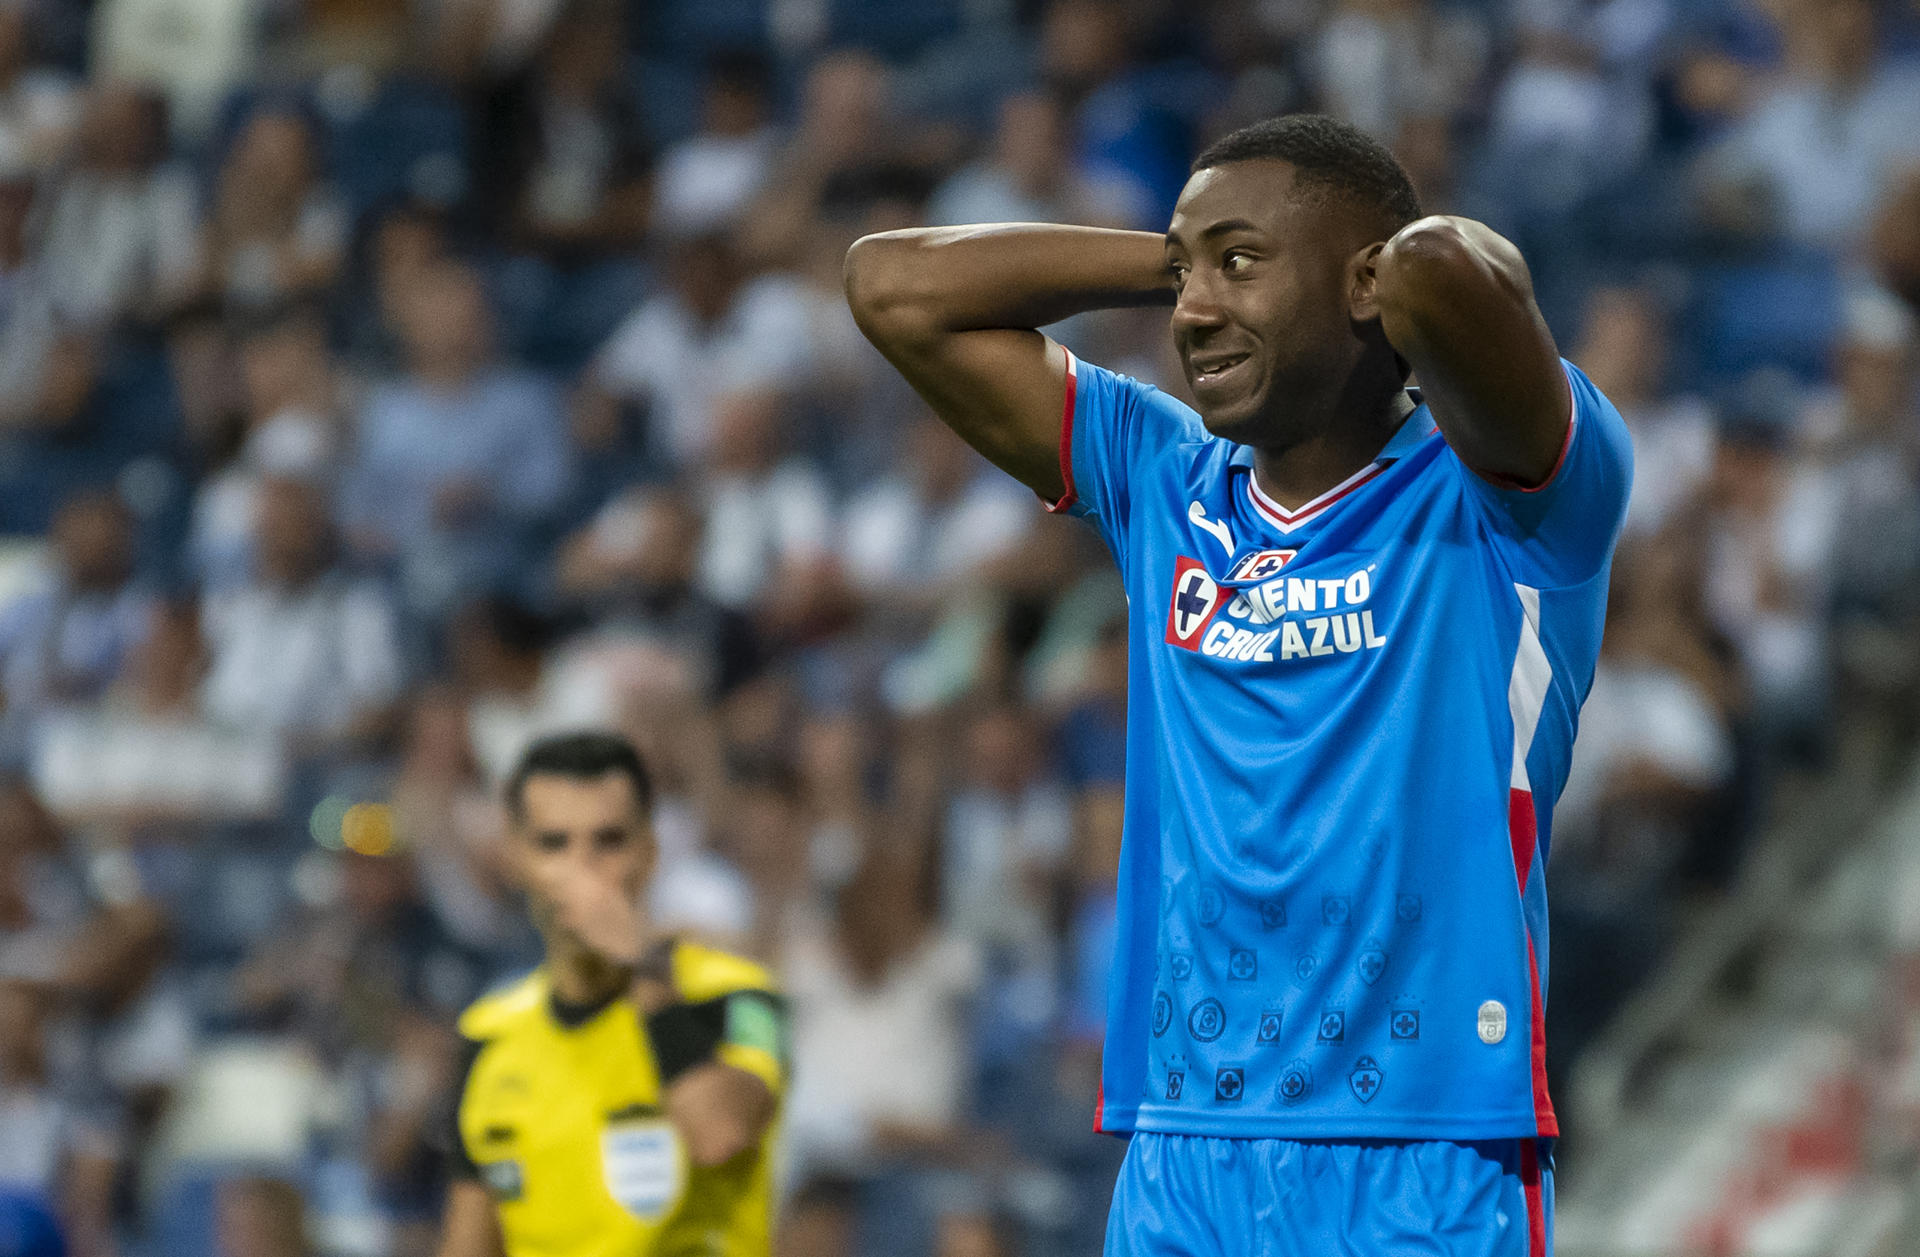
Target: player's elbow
(884,282)
(1438,255)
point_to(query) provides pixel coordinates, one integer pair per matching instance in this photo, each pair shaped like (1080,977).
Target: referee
(619,1100)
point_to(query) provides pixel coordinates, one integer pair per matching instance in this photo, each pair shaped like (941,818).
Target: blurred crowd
(383,384)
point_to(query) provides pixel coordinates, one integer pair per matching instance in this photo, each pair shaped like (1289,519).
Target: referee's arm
(721,1062)
(470,1227)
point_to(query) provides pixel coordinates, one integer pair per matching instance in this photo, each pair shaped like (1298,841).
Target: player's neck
(1297,473)
(581,978)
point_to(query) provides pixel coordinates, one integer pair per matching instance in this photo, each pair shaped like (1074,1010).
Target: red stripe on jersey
(1068,498)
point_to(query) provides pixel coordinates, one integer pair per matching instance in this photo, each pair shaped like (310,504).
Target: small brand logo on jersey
(1243,965)
(1213,905)
(1372,963)
(1196,597)
(1365,1079)
(1335,909)
(1175,1083)
(1405,1024)
(1162,1013)
(1492,1021)
(1181,966)
(1407,908)
(1270,1027)
(1229,1084)
(1207,1021)
(1333,1026)
(1273,915)
(1259,565)
(1296,1081)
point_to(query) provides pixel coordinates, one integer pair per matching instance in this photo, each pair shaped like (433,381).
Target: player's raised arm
(1456,301)
(954,308)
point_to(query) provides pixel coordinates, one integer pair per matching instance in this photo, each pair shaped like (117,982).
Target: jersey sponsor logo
(1229,1084)
(1258,566)
(1196,597)
(1294,617)
(1366,1079)
(1207,1021)
(644,1167)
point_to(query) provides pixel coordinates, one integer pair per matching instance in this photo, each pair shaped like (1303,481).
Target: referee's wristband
(685,1035)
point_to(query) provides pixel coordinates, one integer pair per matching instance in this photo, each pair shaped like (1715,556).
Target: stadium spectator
(708,179)
(122,221)
(275,230)
(566,146)
(39,104)
(47,365)
(713,329)
(301,651)
(1623,348)
(290,426)
(879,995)
(1818,150)
(1030,176)
(65,639)
(455,460)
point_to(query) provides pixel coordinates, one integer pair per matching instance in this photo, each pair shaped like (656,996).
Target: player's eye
(1177,272)
(1236,262)
(610,839)
(551,841)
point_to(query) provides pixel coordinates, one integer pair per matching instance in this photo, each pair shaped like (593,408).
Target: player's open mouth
(1209,373)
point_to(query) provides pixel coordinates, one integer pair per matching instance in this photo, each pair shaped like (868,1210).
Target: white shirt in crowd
(300,662)
(758,524)
(663,357)
(894,1052)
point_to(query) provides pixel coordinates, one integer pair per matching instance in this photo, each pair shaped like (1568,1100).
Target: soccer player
(1362,621)
(619,1100)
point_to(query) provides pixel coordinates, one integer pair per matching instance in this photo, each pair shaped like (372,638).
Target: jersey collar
(1415,428)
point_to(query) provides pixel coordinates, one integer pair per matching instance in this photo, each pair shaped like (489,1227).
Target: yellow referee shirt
(560,1116)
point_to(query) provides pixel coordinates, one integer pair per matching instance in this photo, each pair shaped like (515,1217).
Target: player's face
(568,825)
(1265,280)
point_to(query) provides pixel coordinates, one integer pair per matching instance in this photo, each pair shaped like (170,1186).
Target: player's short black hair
(584,756)
(1328,154)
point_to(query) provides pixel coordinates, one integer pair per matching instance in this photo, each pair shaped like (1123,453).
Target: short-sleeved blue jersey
(1347,726)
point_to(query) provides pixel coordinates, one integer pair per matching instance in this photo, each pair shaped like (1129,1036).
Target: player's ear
(1363,303)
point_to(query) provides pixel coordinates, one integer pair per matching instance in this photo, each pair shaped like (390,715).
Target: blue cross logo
(1189,600)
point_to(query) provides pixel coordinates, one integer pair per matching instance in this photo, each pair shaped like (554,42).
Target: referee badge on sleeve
(645,1166)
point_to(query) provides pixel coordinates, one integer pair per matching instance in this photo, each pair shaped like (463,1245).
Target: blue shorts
(1199,1196)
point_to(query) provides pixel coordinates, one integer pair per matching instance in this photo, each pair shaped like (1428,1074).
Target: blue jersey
(1347,726)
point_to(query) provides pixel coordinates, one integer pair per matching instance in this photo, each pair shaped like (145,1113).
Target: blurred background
(383,382)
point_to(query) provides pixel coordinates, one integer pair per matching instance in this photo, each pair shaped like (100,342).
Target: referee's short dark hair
(1327,155)
(586,755)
